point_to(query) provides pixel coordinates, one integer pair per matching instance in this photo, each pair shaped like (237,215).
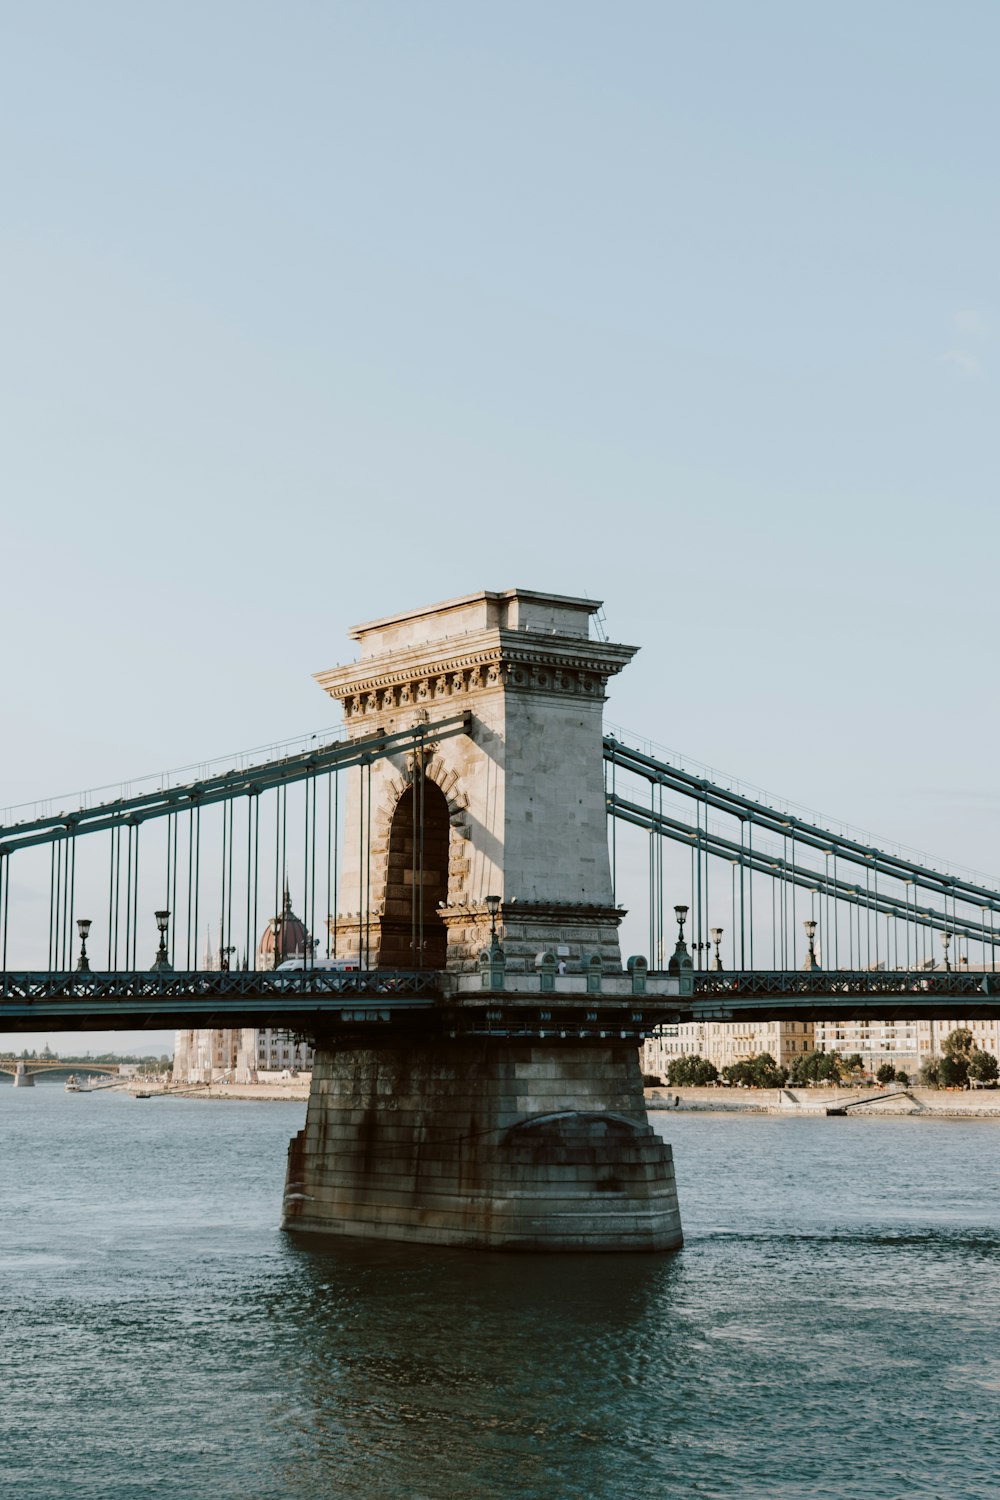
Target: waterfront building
(266,1050)
(241,1054)
(724,1043)
(206,1055)
(931,1035)
(903,1044)
(877,1042)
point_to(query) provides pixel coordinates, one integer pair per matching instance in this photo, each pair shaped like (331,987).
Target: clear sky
(314,311)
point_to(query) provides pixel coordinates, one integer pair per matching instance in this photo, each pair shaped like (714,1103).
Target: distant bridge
(33,1065)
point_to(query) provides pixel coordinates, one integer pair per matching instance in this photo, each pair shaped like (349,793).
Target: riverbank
(940,1103)
(283,1093)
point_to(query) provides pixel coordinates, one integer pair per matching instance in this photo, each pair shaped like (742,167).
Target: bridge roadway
(328,1003)
(317,1003)
(844,995)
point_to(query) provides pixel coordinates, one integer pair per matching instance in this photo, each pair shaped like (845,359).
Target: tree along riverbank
(939,1103)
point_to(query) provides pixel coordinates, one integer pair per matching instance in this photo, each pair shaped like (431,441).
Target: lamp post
(224,955)
(680,966)
(811,960)
(945,944)
(83,927)
(493,906)
(492,965)
(716,935)
(162,961)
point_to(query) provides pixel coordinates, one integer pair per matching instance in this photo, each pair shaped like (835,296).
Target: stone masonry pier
(514,1146)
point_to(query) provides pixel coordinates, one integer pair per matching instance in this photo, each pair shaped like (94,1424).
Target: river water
(831,1328)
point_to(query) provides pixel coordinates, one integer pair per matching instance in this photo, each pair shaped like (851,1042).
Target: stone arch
(417,855)
(447,779)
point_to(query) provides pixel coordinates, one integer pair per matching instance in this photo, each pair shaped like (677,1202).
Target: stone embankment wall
(946,1103)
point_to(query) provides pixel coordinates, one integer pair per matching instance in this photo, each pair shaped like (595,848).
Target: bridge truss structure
(757,874)
(258,836)
(784,918)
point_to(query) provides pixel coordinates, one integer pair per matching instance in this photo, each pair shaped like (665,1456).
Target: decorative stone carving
(512,666)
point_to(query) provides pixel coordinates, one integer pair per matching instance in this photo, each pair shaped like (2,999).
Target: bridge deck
(311,1001)
(155,1000)
(844,994)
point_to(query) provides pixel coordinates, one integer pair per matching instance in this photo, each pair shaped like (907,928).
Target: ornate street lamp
(716,935)
(945,944)
(812,962)
(680,965)
(162,961)
(493,906)
(83,927)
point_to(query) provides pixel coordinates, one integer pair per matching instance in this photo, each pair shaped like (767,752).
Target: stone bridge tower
(513,809)
(512,1115)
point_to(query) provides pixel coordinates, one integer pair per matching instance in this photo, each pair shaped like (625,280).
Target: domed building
(284,937)
(240,1054)
(265,1049)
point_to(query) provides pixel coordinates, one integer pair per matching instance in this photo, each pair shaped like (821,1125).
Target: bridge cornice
(480,662)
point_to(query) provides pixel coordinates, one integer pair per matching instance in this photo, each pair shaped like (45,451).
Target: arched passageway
(413,934)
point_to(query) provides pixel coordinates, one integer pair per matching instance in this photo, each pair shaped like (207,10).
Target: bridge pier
(496,1145)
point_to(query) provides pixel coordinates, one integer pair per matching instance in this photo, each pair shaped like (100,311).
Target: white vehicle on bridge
(341,965)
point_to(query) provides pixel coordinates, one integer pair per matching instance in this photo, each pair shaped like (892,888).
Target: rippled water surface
(831,1329)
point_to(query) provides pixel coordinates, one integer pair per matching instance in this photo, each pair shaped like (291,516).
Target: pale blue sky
(315,311)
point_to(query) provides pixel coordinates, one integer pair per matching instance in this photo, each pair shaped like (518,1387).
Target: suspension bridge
(467,848)
(67,994)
